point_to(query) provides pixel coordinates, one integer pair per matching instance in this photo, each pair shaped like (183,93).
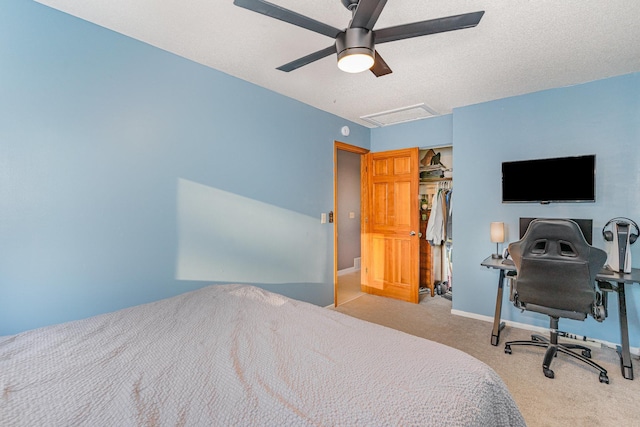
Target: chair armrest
(605,286)
(601,311)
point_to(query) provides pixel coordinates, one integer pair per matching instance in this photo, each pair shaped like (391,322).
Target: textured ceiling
(520,46)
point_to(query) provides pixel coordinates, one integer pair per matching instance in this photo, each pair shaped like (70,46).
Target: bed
(239,355)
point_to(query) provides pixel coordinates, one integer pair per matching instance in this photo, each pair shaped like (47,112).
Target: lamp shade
(497,232)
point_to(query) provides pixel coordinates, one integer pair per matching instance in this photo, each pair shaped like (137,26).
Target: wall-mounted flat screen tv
(560,179)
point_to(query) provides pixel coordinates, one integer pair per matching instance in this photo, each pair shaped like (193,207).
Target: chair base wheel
(604,378)
(507,349)
(586,353)
(548,373)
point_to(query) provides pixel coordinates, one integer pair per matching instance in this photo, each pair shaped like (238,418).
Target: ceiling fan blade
(300,62)
(367,13)
(380,68)
(423,28)
(289,16)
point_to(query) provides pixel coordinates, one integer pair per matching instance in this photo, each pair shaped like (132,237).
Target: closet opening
(436,221)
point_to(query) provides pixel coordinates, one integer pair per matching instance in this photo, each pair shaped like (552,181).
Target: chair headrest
(555,229)
(559,237)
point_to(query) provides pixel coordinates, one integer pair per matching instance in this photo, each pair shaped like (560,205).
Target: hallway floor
(349,286)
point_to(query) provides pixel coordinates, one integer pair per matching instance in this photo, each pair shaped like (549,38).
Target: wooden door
(390,242)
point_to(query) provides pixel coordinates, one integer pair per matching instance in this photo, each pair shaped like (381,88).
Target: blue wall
(601,118)
(128,174)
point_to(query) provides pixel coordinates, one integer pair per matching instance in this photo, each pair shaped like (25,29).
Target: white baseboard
(634,350)
(347,270)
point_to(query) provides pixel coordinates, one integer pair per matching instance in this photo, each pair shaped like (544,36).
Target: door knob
(413,233)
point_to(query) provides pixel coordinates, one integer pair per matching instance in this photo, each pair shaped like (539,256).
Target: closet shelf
(435,179)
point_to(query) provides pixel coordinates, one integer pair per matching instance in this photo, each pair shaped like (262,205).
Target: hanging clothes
(436,226)
(440,218)
(449,216)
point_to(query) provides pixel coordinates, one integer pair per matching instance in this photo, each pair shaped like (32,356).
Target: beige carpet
(573,397)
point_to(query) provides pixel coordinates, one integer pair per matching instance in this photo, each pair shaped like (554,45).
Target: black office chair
(556,275)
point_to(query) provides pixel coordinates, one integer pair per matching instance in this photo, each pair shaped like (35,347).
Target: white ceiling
(520,46)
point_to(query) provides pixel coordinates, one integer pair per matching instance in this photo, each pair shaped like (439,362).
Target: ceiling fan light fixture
(355,50)
(355,60)
(354,46)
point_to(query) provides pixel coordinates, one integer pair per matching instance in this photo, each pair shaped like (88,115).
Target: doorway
(347,227)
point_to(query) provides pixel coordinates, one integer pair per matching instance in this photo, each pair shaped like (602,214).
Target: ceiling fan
(355,44)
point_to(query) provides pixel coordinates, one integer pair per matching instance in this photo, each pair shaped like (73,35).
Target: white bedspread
(238,355)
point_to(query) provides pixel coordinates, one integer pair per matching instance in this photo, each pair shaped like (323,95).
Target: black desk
(617,281)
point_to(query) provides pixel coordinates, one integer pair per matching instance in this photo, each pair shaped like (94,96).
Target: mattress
(239,355)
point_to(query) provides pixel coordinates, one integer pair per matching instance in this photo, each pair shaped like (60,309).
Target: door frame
(337,145)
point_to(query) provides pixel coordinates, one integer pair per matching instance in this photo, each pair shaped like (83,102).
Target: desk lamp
(497,236)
